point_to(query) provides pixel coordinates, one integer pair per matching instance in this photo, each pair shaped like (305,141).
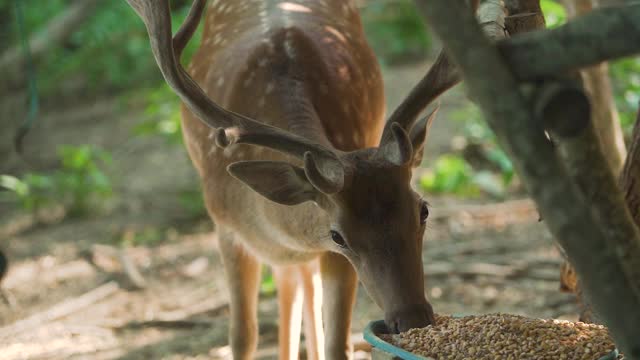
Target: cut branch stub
(563,108)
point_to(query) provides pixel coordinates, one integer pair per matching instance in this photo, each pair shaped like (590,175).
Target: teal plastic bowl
(376,328)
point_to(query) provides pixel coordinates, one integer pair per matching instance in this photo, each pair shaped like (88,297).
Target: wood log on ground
(60,310)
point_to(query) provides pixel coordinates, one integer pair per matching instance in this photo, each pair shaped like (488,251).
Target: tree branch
(604,34)
(566,211)
(524,16)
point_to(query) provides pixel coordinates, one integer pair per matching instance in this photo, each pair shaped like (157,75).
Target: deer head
(375,219)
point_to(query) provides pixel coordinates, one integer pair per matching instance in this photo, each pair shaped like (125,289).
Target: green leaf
(554,13)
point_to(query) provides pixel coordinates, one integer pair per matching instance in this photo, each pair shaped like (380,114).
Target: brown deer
(324,194)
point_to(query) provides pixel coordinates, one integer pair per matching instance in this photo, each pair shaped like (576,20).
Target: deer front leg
(339,282)
(290,298)
(312,312)
(242,272)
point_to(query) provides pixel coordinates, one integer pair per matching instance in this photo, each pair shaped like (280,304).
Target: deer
(283,118)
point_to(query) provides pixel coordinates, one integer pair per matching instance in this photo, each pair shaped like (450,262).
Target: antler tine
(188,28)
(236,128)
(442,76)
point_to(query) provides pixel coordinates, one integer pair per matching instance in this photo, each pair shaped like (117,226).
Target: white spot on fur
(213,150)
(288,46)
(333,31)
(289,6)
(220,81)
(357,137)
(264,17)
(343,72)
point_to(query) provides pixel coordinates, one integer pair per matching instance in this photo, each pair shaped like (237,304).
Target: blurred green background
(108,55)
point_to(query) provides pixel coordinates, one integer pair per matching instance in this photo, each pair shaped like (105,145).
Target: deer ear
(418,136)
(279,182)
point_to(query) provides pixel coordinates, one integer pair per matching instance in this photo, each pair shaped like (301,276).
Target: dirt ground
(70,298)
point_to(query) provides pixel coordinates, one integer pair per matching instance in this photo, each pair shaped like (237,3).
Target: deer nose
(409,317)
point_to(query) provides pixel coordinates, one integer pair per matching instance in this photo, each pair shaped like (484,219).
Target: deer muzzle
(409,317)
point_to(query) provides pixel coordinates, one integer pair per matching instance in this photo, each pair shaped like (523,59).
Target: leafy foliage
(626,82)
(79,184)
(395,30)
(163,111)
(267,282)
(554,13)
(450,174)
(110,52)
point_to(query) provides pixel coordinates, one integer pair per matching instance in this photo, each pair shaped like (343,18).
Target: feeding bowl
(383,350)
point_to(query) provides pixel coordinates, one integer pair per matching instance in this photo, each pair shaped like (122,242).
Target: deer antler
(442,76)
(231,127)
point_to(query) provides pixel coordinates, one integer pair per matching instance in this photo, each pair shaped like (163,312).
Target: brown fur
(305,66)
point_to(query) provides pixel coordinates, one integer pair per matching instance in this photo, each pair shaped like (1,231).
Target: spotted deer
(283,118)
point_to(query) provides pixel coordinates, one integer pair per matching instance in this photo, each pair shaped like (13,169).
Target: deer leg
(312,312)
(242,272)
(290,298)
(339,282)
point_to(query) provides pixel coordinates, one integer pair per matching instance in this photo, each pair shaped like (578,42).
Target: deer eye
(338,239)
(424,213)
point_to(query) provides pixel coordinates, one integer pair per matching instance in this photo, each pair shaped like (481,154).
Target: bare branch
(604,34)
(566,211)
(524,16)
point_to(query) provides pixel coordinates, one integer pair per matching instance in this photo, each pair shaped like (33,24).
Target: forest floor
(75,292)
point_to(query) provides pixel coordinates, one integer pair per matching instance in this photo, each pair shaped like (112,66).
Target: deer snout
(409,317)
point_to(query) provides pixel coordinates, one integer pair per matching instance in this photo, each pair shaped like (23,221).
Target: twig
(60,310)
(8,298)
(131,271)
(200,308)
(169,324)
(488,269)
(120,258)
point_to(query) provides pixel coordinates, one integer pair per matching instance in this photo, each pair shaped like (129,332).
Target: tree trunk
(598,85)
(606,120)
(630,179)
(581,224)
